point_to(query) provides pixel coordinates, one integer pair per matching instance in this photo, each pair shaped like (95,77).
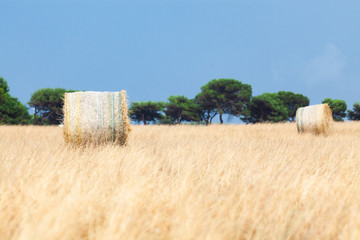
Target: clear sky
(157,48)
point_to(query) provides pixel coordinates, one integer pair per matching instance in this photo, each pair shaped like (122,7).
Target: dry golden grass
(182,182)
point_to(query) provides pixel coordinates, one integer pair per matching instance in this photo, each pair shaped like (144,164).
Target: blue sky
(157,48)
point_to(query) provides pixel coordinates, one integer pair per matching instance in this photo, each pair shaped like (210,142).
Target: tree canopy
(180,108)
(4,90)
(338,108)
(354,114)
(48,104)
(146,111)
(11,110)
(267,107)
(292,102)
(221,96)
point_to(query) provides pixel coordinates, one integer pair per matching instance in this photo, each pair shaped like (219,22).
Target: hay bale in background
(96,117)
(316,119)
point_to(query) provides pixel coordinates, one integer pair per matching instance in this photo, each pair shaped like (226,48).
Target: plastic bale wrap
(316,119)
(96,117)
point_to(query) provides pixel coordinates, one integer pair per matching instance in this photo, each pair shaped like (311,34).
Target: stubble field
(182,182)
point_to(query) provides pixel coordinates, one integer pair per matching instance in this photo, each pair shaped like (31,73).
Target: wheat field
(182,182)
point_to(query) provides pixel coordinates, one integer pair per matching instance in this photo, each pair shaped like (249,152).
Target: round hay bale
(315,119)
(96,117)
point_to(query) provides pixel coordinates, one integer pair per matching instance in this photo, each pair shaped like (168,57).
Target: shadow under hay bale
(96,118)
(316,119)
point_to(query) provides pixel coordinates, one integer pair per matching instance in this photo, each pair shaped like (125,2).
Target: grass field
(182,182)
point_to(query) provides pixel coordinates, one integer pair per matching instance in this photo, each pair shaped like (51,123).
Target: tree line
(216,98)
(232,97)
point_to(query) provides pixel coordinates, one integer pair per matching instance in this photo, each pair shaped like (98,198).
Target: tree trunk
(143,119)
(212,118)
(207,118)
(262,118)
(221,120)
(35,117)
(179,120)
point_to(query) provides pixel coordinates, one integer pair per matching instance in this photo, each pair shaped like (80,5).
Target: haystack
(96,117)
(315,119)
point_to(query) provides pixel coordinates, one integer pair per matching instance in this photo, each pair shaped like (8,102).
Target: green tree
(146,111)
(292,102)
(11,110)
(207,106)
(267,107)
(4,90)
(180,108)
(48,104)
(221,96)
(165,120)
(354,114)
(338,108)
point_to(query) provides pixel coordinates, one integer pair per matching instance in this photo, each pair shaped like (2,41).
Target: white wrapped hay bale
(96,117)
(316,119)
